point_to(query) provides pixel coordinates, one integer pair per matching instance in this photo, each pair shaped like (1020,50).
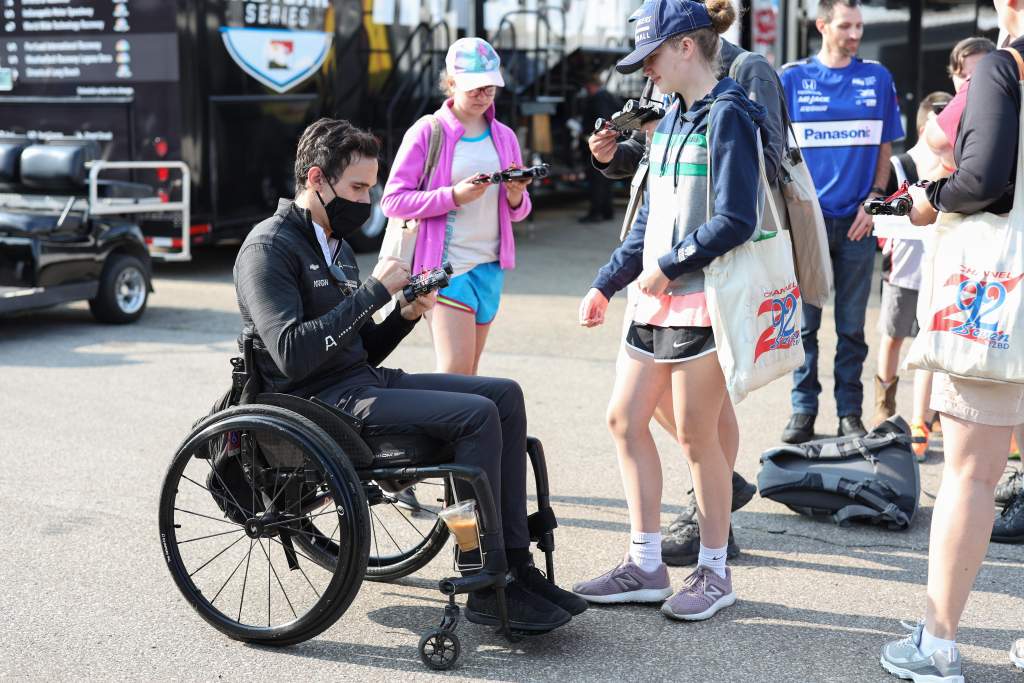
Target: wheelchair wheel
(405,531)
(440,649)
(239,493)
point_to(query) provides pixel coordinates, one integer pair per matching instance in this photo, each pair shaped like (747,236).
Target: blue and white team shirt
(840,117)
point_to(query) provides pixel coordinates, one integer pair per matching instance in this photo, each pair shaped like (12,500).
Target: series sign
(280,43)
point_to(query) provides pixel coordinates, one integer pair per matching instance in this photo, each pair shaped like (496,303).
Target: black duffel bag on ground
(873,478)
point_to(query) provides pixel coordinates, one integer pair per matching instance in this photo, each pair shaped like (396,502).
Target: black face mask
(344,215)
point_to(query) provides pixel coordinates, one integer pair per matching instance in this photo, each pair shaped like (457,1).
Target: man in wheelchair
(308,316)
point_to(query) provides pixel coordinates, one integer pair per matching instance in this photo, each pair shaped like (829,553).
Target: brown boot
(885,401)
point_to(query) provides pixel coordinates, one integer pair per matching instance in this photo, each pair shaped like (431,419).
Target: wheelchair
(275,508)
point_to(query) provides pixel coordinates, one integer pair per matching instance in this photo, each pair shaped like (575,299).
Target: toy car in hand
(428,281)
(899,203)
(631,117)
(539,171)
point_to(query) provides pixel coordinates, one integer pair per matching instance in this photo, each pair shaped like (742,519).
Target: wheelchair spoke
(216,556)
(291,520)
(277,494)
(297,552)
(279,584)
(407,520)
(221,480)
(373,531)
(228,580)
(201,538)
(398,547)
(216,519)
(301,570)
(245,579)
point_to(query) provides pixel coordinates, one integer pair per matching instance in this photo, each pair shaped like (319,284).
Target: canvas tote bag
(795,190)
(971,305)
(400,235)
(754,304)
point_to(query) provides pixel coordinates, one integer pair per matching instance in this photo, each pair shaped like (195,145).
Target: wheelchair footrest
(541,522)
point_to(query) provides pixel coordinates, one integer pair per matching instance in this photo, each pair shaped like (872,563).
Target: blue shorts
(477,291)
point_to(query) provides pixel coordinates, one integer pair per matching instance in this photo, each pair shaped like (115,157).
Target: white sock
(713,559)
(645,550)
(930,645)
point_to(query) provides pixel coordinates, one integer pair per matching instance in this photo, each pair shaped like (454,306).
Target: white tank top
(471,231)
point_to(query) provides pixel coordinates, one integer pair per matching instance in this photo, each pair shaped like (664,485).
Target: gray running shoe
(903,658)
(626,583)
(703,594)
(1017,654)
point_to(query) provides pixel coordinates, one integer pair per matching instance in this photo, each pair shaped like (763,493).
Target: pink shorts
(987,403)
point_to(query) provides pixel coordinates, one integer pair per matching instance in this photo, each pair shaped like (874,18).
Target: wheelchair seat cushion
(351,443)
(403,450)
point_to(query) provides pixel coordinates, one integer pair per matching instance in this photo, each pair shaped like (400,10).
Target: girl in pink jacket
(466,224)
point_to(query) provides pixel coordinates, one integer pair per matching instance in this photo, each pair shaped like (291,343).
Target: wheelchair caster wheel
(439,649)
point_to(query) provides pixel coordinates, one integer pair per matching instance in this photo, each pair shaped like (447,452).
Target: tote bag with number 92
(971,305)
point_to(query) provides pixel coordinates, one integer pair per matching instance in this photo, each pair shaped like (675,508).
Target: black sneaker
(742,492)
(1013,485)
(1009,526)
(851,425)
(680,548)
(537,583)
(526,611)
(799,429)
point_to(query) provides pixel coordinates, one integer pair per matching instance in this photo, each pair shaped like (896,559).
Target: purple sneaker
(702,595)
(626,583)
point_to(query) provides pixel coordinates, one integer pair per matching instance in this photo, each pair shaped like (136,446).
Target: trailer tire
(123,292)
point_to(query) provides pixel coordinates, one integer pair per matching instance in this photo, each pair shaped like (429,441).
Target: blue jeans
(852,266)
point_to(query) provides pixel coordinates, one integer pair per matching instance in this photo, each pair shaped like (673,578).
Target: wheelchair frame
(439,647)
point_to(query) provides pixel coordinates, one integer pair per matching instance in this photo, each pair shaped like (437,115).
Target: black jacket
(761,84)
(308,331)
(986,146)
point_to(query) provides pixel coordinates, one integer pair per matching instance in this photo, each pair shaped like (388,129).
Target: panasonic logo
(839,133)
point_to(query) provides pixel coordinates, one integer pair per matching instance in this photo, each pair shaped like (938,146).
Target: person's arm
(380,340)
(736,176)
(762,85)
(402,197)
(269,290)
(939,144)
(627,158)
(988,134)
(627,260)
(519,210)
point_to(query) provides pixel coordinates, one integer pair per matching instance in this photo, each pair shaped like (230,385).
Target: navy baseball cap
(658,20)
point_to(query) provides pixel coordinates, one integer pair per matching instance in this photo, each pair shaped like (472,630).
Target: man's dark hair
(331,144)
(827,7)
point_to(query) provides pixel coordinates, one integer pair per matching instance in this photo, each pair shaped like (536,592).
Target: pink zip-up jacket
(403,198)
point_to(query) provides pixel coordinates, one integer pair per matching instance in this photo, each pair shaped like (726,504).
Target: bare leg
(639,383)
(922,392)
(663,414)
(454,334)
(889,357)
(962,519)
(481,340)
(698,391)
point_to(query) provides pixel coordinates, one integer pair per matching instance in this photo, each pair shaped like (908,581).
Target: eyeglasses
(486,91)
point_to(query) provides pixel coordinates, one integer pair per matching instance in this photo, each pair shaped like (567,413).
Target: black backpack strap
(882,509)
(864,446)
(891,515)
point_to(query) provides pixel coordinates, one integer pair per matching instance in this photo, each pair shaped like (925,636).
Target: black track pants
(485,417)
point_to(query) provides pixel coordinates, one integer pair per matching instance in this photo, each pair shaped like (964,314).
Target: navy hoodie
(735,180)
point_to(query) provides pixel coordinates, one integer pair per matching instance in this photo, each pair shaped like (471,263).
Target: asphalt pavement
(91,415)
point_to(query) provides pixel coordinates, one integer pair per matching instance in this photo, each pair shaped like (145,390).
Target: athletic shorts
(477,291)
(898,315)
(670,344)
(988,403)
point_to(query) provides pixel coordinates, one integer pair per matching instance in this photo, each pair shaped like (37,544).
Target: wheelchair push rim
(235,560)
